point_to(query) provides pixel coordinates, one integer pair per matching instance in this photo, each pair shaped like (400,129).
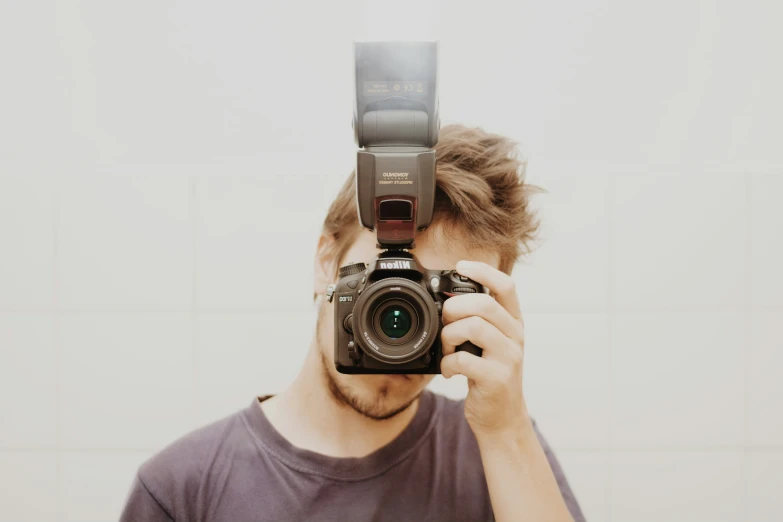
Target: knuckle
(448,304)
(507,285)
(502,378)
(447,332)
(475,326)
(486,303)
(517,359)
(519,336)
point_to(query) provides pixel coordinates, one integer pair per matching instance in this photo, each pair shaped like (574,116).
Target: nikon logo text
(395,174)
(396,264)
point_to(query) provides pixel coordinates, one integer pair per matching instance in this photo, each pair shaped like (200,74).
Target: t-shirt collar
(272,442)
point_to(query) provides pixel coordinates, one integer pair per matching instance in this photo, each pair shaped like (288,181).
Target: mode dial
(351,268)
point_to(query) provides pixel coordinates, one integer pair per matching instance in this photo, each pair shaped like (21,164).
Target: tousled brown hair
(480,191)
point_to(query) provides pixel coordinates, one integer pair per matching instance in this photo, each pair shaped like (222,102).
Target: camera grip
(470,348)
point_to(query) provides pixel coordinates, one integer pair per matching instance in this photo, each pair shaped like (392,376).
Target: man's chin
(382,398)
(376,396)
(396,379)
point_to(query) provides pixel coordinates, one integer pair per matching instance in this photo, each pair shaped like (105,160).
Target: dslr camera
(387,316)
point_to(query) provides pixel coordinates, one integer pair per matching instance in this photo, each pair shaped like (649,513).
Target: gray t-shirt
(241,469)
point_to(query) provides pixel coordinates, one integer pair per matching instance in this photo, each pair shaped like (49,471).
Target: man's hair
(480,192)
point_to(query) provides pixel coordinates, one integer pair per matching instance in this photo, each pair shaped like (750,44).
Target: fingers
(463,363)
(481,333)
(483,305)
(485,373)
(500,284)
(493,324)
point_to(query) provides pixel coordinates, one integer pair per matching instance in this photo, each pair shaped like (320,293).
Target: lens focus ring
(395,320)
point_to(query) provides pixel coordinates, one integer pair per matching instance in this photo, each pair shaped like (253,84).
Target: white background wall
(165,167)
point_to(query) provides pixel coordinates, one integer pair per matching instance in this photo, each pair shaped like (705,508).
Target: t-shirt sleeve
(142,506)
(562,482)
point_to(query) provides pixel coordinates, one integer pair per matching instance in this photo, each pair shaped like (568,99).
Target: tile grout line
(58,347)
(673,310)
(747,335)
(194,315)
(610,336)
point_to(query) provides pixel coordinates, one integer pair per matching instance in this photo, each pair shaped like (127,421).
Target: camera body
(387,316)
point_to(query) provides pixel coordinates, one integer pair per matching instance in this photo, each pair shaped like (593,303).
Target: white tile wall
(26,242)
(767,240)
(678,380)
(241,356)
(765,371)
(567,378)
(677,486)
(764,474)
(587,473)
(28,381)
(125,242)
(678,241)
(96,485)
(244,224)
(127,380)
(567,269)
(28,486)
(455,386)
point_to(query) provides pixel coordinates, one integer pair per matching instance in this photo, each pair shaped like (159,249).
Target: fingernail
(463,265)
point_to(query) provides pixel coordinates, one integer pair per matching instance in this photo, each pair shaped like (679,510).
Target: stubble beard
(343,395)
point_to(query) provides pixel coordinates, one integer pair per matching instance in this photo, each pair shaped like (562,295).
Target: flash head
(396,125)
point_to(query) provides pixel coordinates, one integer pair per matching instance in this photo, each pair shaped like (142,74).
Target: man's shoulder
(183,462)
(451,420)
(451,409)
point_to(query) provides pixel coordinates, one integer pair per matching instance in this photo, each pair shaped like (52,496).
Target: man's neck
(309,417)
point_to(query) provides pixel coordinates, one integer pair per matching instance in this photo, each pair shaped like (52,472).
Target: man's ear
(324,265)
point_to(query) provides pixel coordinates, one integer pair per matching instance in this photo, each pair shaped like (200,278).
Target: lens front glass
(395,321)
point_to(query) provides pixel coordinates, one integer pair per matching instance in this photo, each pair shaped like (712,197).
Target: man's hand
(520,480)
(495,405)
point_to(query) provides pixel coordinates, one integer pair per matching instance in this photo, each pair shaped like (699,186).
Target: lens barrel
(395,320)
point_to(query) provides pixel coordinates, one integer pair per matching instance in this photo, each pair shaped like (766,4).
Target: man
(336,447)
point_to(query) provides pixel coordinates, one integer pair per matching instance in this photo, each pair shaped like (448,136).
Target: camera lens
(395,321)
